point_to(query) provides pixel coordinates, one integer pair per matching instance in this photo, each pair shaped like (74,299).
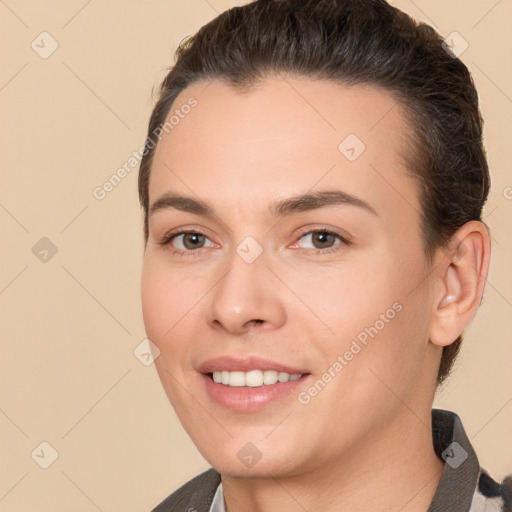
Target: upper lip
(245,364)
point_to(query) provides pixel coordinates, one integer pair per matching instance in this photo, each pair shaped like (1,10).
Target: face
(284,281)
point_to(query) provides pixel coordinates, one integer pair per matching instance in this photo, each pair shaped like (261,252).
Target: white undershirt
(218,504)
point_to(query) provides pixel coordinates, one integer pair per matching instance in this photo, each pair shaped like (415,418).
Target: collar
(459,479)
(218,503)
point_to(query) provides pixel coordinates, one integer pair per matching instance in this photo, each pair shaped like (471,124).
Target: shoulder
(465,486)
(197,494)
(491,495)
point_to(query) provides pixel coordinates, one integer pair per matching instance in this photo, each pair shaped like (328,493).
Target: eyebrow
(295,204)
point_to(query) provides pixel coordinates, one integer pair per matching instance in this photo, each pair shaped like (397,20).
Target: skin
(364,442)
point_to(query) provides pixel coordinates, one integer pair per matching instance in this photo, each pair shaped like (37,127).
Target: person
(312,188)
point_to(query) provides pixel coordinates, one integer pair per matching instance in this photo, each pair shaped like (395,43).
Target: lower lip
(247,398)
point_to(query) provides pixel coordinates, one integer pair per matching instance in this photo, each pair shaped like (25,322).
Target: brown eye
(187,241)
(193,240)
(323,239)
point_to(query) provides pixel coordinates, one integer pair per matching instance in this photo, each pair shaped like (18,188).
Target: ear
(461,284)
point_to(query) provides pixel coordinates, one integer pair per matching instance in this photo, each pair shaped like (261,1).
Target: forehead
(285,135)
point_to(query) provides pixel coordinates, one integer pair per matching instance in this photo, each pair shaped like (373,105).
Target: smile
(253,378)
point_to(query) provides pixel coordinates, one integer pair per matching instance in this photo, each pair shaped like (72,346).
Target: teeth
(236,379)
(269,377)
(254,378)
(283,377)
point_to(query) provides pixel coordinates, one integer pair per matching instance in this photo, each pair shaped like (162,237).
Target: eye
(187,241)
(323,240)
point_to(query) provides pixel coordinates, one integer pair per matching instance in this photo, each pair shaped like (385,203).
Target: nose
(246,298)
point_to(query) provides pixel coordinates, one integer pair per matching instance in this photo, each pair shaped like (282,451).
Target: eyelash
(166,240)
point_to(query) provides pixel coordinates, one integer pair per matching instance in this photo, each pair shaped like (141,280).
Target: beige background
(70,325)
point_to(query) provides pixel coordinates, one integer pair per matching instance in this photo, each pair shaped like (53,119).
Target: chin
(239,457)
(262,468)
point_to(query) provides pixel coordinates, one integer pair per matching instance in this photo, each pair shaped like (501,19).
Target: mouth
(252,378)
(251,383)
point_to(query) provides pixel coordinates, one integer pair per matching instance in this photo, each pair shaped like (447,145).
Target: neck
(394,468)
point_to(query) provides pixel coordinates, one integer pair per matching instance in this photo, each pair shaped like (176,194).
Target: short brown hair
(354,42)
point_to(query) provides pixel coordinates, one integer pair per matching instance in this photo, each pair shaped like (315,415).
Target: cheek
(168,300)
(348,299)
(373,319)
(170,315)
(156,301)
(389,346)
(174,315)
